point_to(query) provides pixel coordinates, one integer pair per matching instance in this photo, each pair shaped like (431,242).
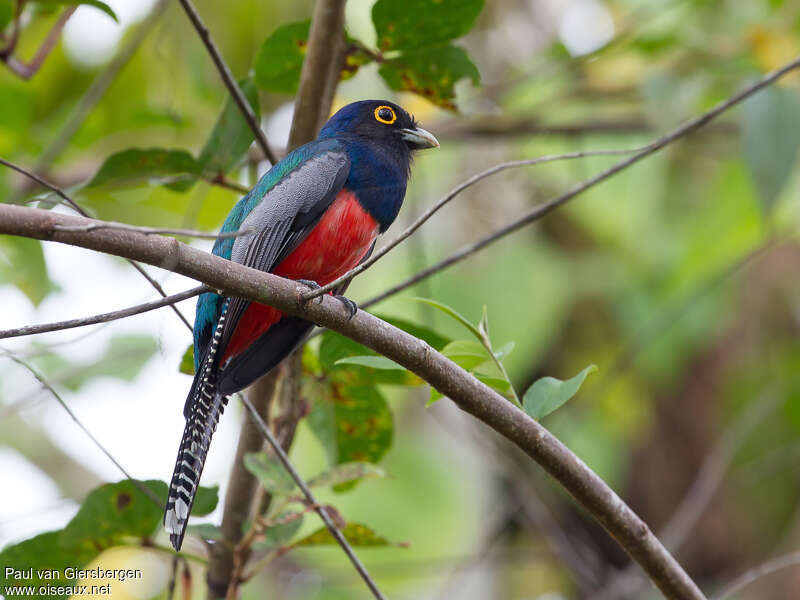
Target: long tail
(204,406)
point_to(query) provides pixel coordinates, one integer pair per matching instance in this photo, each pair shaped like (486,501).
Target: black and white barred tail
(204,406)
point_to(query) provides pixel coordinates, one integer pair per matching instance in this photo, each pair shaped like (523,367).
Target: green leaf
(770,138)
(334,347)
(410,24)
(116,510)
(280,58)
(231,136)
(6,13)
(430,72)
(353,422)
(345,473)
(22,264)
(124,359)
(448,310)
(176,168)
(548,393)
(504,350)
(371,361)
(467,354)
(279,534)
(270,473)
(355,533)
(96,3)
(44,552)
(187,361)
(205,501)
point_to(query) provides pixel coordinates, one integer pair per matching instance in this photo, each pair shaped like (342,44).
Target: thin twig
(229,80)
(767,568)
(452,194)
(77,208)
(203,235)
(104,317)
(40,378)
(541,210)
(320,510)
(26,71)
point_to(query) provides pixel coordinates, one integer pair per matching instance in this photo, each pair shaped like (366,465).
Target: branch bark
(448,378)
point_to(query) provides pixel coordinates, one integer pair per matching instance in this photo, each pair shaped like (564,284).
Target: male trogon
(313,216)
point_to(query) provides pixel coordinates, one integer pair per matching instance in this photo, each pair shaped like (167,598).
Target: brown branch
(104,317)
(767,568)
(26,71)
(417,356)
(543,209)
(320,73)
(228,79)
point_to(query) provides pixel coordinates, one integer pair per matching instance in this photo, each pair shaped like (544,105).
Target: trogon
(313,216)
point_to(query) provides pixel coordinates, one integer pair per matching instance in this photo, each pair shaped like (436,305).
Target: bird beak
(419,138)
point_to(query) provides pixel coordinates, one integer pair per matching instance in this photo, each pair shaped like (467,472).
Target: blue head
(380,138)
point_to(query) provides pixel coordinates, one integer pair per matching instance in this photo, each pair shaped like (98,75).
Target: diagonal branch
(542,209)
(446,199)
(104,317)
(415,355)
(229,80)
(320,510)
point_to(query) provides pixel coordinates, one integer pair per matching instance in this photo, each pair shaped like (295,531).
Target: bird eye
(385,114)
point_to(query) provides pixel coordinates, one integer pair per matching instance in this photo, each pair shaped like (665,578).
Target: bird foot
(352,307)
(312,285)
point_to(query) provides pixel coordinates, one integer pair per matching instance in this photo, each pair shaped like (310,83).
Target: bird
(312,217)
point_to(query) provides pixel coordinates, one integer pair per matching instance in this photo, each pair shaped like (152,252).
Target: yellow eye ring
(383,118)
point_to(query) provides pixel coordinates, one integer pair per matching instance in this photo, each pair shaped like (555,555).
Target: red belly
(337,244)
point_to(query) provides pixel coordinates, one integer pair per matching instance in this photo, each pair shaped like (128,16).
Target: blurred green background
(679,278)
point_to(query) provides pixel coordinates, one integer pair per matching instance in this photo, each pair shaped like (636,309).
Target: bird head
(379,121)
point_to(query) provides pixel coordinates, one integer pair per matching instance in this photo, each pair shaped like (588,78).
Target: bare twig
(541,210)
(144,489)
(104,317)
(767,568)
(415,355)
(452,194)
(77,208)
(320,510)
(203,235)
(26,71)
(229,80)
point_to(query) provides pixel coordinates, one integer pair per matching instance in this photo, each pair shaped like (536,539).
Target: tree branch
(228,80)
(104,317)
(542,209)
(446,199)
(444,375)
(767,568)
(26,71)
(320,73)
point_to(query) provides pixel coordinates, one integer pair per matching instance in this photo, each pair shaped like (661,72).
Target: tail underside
(202,411)
(200,426)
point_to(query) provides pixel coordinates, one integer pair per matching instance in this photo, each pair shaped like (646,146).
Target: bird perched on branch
(312,217)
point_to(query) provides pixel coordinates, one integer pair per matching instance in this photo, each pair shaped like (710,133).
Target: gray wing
(283,219)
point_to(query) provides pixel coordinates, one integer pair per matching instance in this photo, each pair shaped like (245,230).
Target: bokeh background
(678,278)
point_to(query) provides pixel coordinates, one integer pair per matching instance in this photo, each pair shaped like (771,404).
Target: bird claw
(312,285)
(352,307)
